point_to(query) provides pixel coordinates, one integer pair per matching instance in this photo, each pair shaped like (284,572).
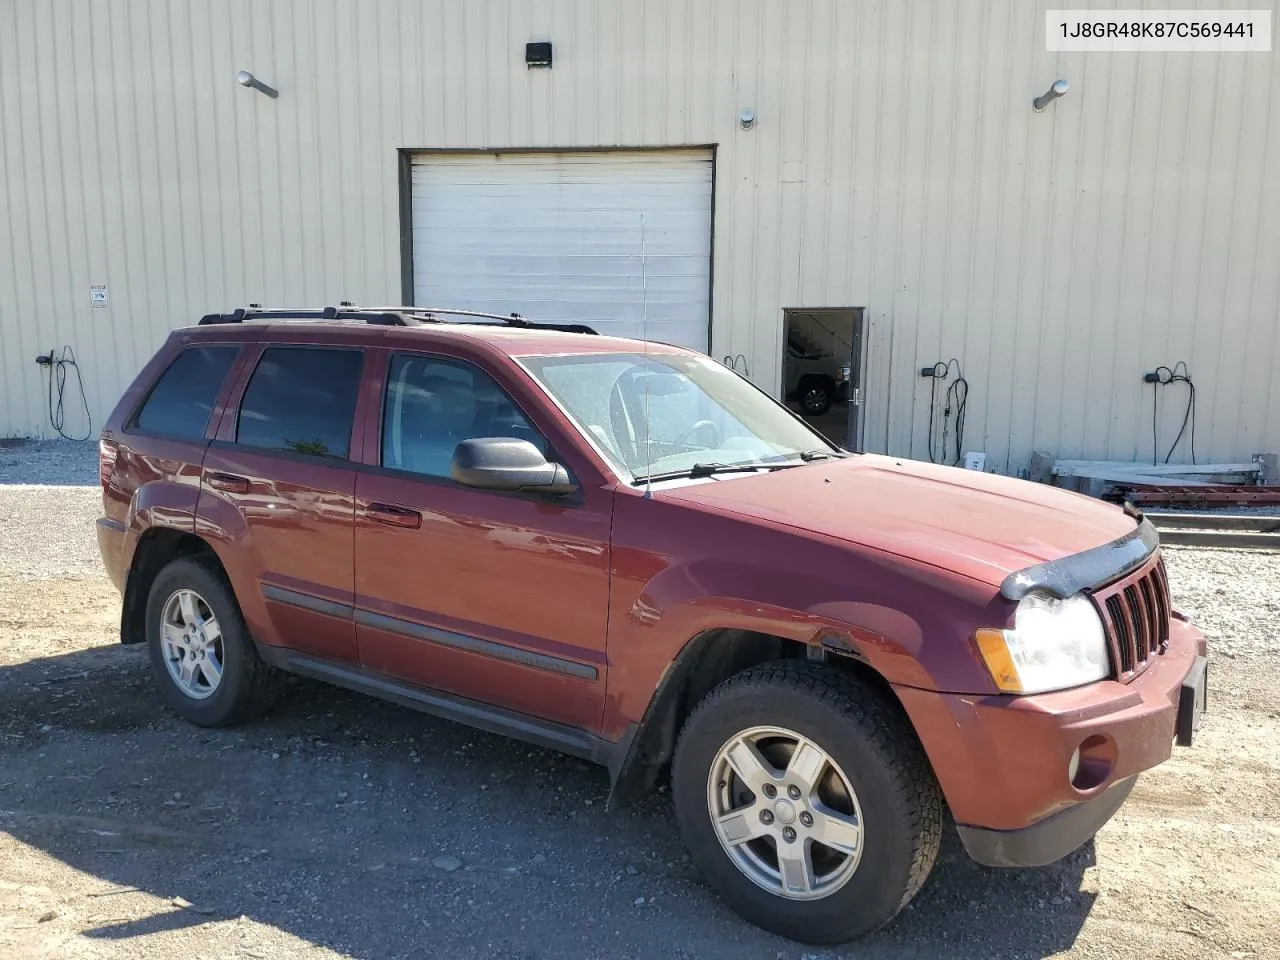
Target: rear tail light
(107,453)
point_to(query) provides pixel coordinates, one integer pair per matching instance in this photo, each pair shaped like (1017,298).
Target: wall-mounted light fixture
(537,55)
(746,118)
(1059,89)
(247,79)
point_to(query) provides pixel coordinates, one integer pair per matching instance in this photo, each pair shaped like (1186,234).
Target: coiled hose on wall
(59,365)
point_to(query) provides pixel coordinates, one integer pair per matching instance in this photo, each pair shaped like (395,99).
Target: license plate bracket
(1193,700)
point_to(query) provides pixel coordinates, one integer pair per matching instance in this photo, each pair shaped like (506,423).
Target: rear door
(498,597)
(277,495)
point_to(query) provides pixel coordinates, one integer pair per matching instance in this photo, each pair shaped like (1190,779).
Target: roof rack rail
(343,312)
(510,319)
(395,316)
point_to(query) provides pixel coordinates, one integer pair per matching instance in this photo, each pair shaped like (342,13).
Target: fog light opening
(1092,763)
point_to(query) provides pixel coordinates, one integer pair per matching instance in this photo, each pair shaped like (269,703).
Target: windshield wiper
(808,456)
(805,456)
(699,470)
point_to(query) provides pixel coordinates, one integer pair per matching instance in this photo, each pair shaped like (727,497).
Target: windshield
(669,414)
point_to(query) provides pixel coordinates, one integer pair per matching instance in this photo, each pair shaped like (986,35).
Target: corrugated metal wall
(895,164)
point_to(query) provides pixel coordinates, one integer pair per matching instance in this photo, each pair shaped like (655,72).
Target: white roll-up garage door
(605,238)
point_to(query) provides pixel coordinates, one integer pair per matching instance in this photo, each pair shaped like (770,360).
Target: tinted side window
(301,400)
(433,405)
(183,397)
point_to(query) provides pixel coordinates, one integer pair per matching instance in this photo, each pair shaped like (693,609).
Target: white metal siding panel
(896,164)
(618,240)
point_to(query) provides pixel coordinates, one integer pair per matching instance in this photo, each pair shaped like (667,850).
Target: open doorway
(822,370)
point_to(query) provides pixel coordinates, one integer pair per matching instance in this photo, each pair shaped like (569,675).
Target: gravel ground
(342,826)
(43,492)
(50,463)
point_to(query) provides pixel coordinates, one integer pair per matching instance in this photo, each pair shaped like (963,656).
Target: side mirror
(505,463)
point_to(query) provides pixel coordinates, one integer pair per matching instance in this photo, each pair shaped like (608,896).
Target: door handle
(227,481)
(395,516)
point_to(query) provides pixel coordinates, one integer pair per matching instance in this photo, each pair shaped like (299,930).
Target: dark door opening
(822,354)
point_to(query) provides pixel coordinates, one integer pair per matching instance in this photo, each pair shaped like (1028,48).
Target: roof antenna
(644,306)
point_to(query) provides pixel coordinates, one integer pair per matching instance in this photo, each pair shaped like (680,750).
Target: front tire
(202,656)
(806,801)
(816,396)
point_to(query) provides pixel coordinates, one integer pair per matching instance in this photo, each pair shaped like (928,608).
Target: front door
(279,487)
(497,597)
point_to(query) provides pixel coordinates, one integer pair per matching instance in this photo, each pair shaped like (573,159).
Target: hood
(977,524)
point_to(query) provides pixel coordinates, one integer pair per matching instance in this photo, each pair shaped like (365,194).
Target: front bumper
(1004,763)
(1049,840)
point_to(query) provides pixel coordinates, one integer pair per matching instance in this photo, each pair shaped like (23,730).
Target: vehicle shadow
(380,832)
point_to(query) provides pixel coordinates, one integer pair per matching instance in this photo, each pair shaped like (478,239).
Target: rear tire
(891,827)
(202,656)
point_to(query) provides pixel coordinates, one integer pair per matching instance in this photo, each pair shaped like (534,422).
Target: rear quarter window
(182,400)
(301,400)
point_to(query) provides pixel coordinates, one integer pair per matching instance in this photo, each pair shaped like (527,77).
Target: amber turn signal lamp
(995,654)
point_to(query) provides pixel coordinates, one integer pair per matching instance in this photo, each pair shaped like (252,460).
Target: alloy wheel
(191,642)
(815,399)
(785,813)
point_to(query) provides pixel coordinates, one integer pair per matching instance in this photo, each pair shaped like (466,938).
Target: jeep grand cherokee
(625,551)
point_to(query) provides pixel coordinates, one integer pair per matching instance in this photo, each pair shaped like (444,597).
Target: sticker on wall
(98,296)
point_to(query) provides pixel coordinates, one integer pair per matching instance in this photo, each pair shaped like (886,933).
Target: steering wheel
(700,425)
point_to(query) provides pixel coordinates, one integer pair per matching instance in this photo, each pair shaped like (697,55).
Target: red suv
(627,552)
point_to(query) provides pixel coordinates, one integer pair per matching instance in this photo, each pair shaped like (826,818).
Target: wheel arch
(156,549)
(707,659)
(823,378)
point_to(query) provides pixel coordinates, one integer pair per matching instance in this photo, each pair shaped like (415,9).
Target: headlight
(1054,644)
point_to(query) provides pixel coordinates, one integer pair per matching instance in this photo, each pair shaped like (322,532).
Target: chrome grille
(1136,617)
